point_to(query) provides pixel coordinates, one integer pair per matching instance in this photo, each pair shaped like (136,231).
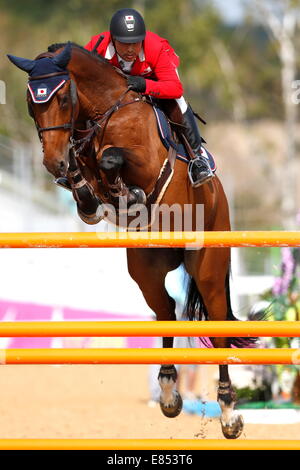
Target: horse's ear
(23,64)
(62,59)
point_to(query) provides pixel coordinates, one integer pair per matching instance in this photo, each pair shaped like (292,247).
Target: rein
(100,123)
(70,125)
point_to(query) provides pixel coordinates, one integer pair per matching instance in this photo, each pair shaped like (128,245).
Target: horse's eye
(64,101)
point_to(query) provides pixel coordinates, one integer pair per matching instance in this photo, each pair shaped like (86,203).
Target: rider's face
(128,52)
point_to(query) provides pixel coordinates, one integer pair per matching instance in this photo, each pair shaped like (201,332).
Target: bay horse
(126,153)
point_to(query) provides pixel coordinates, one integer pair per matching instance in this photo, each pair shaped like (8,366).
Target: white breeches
(182,104)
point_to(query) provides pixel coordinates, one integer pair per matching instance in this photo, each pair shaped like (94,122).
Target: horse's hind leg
(209,269)
(231,422)
(149,267)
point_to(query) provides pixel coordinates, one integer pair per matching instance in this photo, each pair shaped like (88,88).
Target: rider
(151,65)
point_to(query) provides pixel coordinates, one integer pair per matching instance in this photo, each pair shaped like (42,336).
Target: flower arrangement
(284,305)
(277,385)
(285,293)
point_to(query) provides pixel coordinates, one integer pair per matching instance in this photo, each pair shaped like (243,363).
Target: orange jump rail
(149,239)
(148,444)
(91,328)
(150,356)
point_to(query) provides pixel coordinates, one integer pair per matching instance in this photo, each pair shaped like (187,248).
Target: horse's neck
(99,86)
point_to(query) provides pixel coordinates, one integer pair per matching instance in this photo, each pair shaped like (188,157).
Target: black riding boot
(199,170)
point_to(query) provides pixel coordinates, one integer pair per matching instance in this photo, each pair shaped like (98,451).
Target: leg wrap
(169,372)
(226,393)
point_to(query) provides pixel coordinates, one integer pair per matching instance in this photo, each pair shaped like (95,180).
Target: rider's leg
(199,170)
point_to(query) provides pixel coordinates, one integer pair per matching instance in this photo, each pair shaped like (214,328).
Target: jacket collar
(110,51)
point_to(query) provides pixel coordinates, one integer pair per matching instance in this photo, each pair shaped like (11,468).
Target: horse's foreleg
(111,163)
(83,193)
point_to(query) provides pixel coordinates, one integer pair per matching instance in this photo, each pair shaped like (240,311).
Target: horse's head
(52,102)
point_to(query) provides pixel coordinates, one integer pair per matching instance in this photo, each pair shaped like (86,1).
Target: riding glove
(136,83)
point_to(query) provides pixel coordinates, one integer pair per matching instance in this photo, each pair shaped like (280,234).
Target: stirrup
(63,183)
(201,177)
(138,195)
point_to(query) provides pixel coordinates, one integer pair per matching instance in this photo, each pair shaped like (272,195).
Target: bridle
(74,100)
(98,125)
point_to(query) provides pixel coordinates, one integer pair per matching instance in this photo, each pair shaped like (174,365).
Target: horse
(125,159)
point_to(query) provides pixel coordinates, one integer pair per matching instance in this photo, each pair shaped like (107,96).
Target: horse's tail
(195,309)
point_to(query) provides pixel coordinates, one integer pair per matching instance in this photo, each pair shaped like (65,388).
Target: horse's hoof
(63,182)
(90,219)
(173,410)
(234,430)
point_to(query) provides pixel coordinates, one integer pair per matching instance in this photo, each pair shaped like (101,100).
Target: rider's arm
(167,83)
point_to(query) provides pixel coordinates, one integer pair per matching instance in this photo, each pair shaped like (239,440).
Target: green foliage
(247,394)
(193,29)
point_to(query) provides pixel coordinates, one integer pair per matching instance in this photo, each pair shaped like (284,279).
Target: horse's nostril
(62,165)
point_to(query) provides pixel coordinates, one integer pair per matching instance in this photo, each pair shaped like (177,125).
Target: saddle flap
(165,133)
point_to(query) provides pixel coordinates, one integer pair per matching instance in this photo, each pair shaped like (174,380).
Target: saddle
(176,149)
(166,134)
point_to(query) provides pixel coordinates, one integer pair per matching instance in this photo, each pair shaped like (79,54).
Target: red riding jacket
(157,63)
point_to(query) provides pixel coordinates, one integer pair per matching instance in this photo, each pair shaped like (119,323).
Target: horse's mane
(58,45)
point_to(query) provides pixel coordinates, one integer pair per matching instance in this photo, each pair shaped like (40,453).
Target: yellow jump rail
(91,328)
(148,239)
(150,356)
(147,444)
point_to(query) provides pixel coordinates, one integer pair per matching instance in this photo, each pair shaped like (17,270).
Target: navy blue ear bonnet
(43,89)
